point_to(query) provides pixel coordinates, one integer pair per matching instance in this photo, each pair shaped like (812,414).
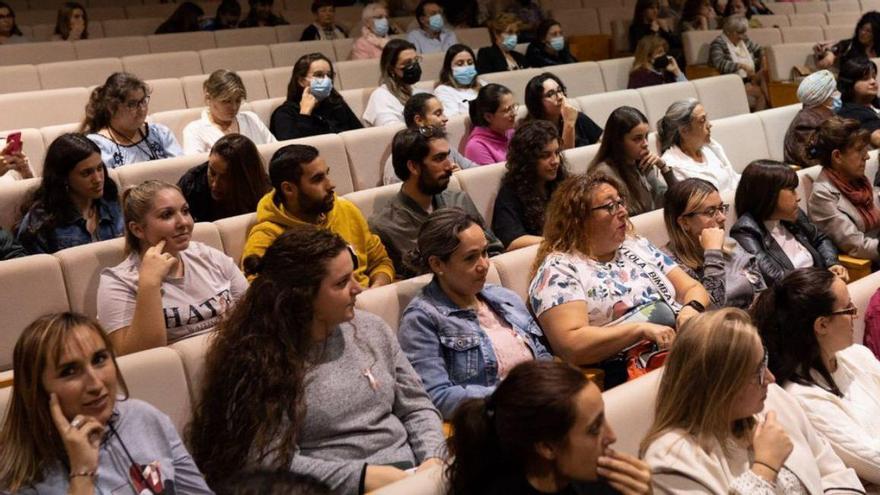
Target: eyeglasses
(613,207)
(7,16)
(711,212)
(850,310)
(762,370)
(554,93)
(135,104)
(511,110)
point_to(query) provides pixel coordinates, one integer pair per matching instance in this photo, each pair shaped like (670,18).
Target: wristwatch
(697,305)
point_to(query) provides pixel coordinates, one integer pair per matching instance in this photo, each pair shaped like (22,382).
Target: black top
(521,486)
(586,132)
(538,56)
(311,33)
(8,247)
(865,115)
(195,188)
(491,59)
(508,218)
(644,77)
(330,116)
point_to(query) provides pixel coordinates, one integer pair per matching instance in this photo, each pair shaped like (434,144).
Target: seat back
(851,6)
(651,226)
(14,78)
(844,19)
(776,122)
(331,147)
(92,72)
(118,46)
(157,376)
(767,36)
(514,80)
(599,107)
(286,54)
(722,96)
(579,159)
(475,38)
(355,74)
(368,149)
(234,232)
(629,409)
(42,108)
(801,34)
(836,32)
(264,108)
(245,37)
(811,8)
(166,94)
(12,196)
(342,48)
(657,99)
(615,73)
(236,58)
(733,132)
(176,120)
(32,145)
(817,19)
(191,352)
(389,301)
(770,21)
(173,42)
(482,184)
(163,65)
(357,100)
(277,80)
(696,45)
(514,269)
(37,53)
(584,78)
(781,58)
(578,22)
(169,170)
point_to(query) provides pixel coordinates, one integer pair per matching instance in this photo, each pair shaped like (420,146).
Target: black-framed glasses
(612,207)
(850,310)
(135,104)
(762,370)
(554,93)
(711,212)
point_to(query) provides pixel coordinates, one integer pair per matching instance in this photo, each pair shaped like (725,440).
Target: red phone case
(14,140)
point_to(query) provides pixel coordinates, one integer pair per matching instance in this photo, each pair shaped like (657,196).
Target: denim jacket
(451,352)
(70,234)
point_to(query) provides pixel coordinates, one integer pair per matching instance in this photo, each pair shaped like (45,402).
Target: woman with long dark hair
(9,31)
(546,99)
(864,43)
(72,23)
(549,47)
(857,83)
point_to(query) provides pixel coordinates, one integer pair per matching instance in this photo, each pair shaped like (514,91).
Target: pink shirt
(368,45)
(485,146)
(509,347)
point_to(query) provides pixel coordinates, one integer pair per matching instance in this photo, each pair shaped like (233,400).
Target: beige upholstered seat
(166,94)
(168,170)
(514,269)
(368,149)
(811,7)
(135,26)
(696,45)
(650,225)
(331,147)
(355,74)
(834,32)
(157,376)
(356,99)
(581,79)
(615,73)
(176,120)
(342,48)
(14,78)
(515,81)
(801,34)
(768,36)
(722,96)
(238,58)
(775,122)
(286,54)
(734,132)
(579,159)
(781,58)
(277,80)
(482,184)
(175,42)
(837,6)
(658,98)
(32,146)
(118,46)
(233,232)
(577,22)
(264,108)
(36,53)
(770,21)
(629,408)
(810,19)
(599,107)
(475,38)
(161,65)
(91,72)
(245,37)
(290,32)
(42,108)
(192,353)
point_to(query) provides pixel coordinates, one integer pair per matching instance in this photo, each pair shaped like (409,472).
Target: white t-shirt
(715,168)
(384,108)
(193,304)
(455,101)
(200,135)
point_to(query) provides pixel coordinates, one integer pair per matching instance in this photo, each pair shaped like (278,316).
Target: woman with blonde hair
(722,426)
(597,288)
(224,93)
(652,64)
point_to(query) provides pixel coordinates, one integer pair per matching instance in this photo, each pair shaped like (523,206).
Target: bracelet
(768,466)
(84,473)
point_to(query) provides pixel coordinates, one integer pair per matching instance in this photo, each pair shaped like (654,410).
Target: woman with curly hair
(535,166)
(297,379)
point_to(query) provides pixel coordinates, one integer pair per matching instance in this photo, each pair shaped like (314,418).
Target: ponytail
(479,458)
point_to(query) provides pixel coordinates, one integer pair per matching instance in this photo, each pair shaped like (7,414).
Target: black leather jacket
(772,261)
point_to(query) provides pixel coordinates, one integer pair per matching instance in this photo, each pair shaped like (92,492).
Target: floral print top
(611,290)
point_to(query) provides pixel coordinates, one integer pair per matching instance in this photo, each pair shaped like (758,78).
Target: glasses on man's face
(762,370)
(850,310)
(711,211)
(612,207)
(555,93)
(135,104)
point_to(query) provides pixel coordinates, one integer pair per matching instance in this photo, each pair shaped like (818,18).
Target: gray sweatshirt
(365,405)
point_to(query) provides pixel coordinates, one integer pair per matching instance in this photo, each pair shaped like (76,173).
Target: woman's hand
(307,102)
(156,265)
(840,271)
(684,315)
(771,443)
(651,160)
(569,112)
(673,66)
(378,476)
(662,335)
(15,161)
(625,473)
(81,438)
(712,238)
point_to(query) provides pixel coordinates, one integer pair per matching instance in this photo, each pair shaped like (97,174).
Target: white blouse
(455,101)
(200,135)
(797,253)
(715,167)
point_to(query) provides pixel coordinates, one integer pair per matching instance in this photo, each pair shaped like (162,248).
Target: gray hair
(370,10)
(678,116)
(735,24)
(438,237)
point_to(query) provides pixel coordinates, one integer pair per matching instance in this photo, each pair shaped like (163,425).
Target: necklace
(152,150)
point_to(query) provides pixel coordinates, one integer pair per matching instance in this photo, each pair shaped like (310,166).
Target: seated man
(432,36)
(302,192)
(423,110)
(421,161)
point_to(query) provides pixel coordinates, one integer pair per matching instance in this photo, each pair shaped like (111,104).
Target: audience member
(461,334)
(303,193)
(493,116)
(624,156)
(432,36)
(543,430)
(687,147)
(227,16)
(546,100)
(116,120)
(185,19)
(697,15)
(324,27)
(549,47)
(857,82)
(76,202)
(745,8)
(272,482)
(421,161)
(261,14)
(14,164)
(732,52)
(400,68)
(597,289)
(313,106)
(224,91)
(652,65)
(646,21)
(843,204)
(530,16)
(458,83)
(502,55)
(298,379)
(375,32)
(70,426)
(694,216)
(820,99)
(425,110)
(72,23)
(731,429)
(863,44)
(535,167)
(168,287)
(771,225)
(230,183)
(10,34)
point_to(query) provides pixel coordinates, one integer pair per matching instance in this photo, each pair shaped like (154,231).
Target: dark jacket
(195,188)
(586,132)
(330,116)
(865,115)
(638,30)
(311,33)
(642,77)
(490,59)
(772,261)
(538,56)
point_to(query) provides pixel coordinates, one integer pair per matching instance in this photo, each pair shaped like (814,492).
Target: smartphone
(13,143)
(660,63)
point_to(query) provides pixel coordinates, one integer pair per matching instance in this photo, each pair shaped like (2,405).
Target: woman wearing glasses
(116,120)
(695,216)
(722,426)
(400,68)
(772,226)
(597,288)
(546,100)
(493,114)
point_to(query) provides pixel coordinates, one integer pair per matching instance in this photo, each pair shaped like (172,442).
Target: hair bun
(253,265)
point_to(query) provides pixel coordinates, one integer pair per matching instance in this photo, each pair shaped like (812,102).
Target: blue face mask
(435,22)
(836,104)
(464,75)
(321,87)
(380,26)
(509,42)
(558,43)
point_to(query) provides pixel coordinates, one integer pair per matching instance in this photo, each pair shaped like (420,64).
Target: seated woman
(14,164)
(687,147)
(76,202)
(549,47)
(652,66)
(864,43)
(695,215)
(312,106)
(312,385)
(697,15)
(731,430)
(624,156)
(261,15)
(458,83)
(400,68)
(224,92)
(521,438)
(732,52)
(535,166)
(843,203)
(818,94)
(375,32)
(502,55)
(72,23)
(647,22)
(70,426)
(458,306)
(597,289)
(230,183)
(493,115)
(771,225)
(807,326)
(116,120)
(324,27)
(10,33)
(168,288)
(545,100)
(857,83)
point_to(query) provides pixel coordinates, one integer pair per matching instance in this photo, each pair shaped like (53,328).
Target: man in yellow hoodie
(303,193)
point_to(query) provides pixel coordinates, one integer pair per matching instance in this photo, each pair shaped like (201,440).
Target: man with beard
(302,192)
(421,160)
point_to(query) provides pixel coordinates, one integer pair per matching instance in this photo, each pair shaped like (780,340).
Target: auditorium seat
(457,130)
(37,53)
(176,120)
(843,19)
(658,98)
(157,376)
(482,184)
(158,10)
(620,35)
(374,199)
(51,132)
(811,7)
(812,19)
(356,99)
(42,108)
(607,15)
(166,94)
(515,81)
(475,38)
(615,73)
(14,78)
(332,149)
(651,226)
(118,46)
(32,146)
(290,32)
(783,8)
(722,96)
(342,48)
(781,58)
(579,159)
(92,72)
(135,26)
(237,58)
(102,13)
(389,301)
(12,197)
(775,122)
(599,106)
(580,79)
(161,65)
(766,36)
(578,22)
(515,269)
(169,170)
(696,45)
(801,34)
(629,409)
(264,108)
(192,352)
(770,21)
(277,80)
(742,137)
(234,232)
(286,54)
(836,32)
(175,42)
(245,37)
(432,64)
(30,17)
(368,149)
(355,74)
